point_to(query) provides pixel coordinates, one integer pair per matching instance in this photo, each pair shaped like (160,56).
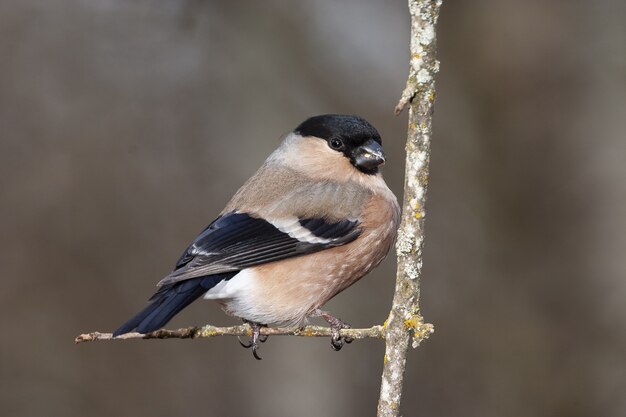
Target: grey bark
(242,330)
(404,318)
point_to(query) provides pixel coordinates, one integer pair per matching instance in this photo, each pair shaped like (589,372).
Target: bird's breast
(285,292)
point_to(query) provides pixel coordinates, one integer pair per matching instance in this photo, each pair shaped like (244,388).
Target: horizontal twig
(377,332)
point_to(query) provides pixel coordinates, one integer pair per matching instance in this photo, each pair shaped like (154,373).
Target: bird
(315,218)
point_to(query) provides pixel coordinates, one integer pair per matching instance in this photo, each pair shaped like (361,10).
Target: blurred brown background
(125,126)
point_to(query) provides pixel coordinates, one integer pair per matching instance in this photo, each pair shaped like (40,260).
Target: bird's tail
(168,302)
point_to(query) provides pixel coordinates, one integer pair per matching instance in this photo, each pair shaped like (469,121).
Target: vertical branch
(404,318)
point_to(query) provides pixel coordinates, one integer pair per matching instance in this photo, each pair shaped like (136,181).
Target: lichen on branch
(208,331)
(405,320)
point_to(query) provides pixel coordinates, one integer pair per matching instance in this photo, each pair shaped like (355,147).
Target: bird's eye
(336,144)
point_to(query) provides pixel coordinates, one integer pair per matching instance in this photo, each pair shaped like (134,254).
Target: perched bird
(315,218)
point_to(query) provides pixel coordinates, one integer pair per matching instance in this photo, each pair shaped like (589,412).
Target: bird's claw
(246,345)
(257,338)
(336,341)
(254,353)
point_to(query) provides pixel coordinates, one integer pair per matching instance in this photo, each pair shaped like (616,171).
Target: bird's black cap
(354,129)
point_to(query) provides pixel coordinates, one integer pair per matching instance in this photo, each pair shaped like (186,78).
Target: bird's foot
(257,338)
(336,341)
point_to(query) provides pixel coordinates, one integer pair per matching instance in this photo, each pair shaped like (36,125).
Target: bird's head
(347,135)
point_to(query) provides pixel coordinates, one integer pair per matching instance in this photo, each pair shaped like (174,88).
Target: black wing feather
(235,241)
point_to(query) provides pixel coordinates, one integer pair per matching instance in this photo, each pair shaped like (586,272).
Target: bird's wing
(239,240)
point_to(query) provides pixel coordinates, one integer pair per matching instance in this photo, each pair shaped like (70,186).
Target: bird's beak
(369,155)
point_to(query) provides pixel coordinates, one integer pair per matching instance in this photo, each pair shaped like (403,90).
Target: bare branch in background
(419,94)
(243,330)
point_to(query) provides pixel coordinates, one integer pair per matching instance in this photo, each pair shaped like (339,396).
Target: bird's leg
(256,338)
(336,341)
(262,337)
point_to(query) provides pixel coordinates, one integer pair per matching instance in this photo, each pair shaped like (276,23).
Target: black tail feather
(169,301)
(171,305)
